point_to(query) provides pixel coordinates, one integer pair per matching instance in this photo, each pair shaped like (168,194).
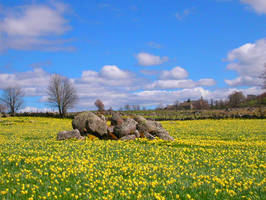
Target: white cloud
(206,82)
(244,81)
(34,27)
(31,81)
(30,109)
(172,84)
(109,76)
(175,73)
(146,59)
(248,61)
(258,5)
(113,72)
(176,78)
(154,97)
(35,20)
(224,93)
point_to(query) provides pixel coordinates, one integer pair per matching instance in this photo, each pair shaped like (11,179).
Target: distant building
(188,105)
(195,105)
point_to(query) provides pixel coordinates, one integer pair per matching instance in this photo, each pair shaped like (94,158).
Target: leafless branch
(61,94)
(12,98)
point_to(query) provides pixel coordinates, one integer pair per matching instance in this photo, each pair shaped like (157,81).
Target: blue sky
(133,51)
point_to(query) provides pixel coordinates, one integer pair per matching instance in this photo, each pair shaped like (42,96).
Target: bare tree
(127,107)
(176,104)
(12,98)
(99,104)
(160,106)
(61,94)
(135,107)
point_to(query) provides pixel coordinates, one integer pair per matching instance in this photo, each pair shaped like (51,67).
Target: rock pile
(120,129)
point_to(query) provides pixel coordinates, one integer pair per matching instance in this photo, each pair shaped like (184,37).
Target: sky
(133,52)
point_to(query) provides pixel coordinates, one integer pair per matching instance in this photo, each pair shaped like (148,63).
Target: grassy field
(209,159)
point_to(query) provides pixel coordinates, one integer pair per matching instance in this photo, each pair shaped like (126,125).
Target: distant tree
(127,107)
(99,104)
(236,98)
(61,94)
(212,104)
(160,106)
(220,104)
(176,104)
(261,99)
(12,99)
(216,104)
(135,107)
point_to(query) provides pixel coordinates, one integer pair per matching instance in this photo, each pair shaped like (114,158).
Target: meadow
(209,159)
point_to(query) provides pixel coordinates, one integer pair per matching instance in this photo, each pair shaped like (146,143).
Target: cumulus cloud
(154,97)
(32,81)
(258,5)
(177,78)
(206,82)
(34,26)
(113,72)
(244,81)
(171,84)
(248,61)
(186,83)
(146,59)
(108,76)
(175,73)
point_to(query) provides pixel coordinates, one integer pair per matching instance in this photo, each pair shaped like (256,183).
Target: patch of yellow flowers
(209,159)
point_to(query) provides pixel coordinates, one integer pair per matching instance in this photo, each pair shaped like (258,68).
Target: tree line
(234,100)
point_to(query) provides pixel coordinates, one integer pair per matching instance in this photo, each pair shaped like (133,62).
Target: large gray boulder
(116,119)
(65,135)
(136,133)
(128,127)
(128,137)
(149,136)
(152,127)
(89,123)
(162,134)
